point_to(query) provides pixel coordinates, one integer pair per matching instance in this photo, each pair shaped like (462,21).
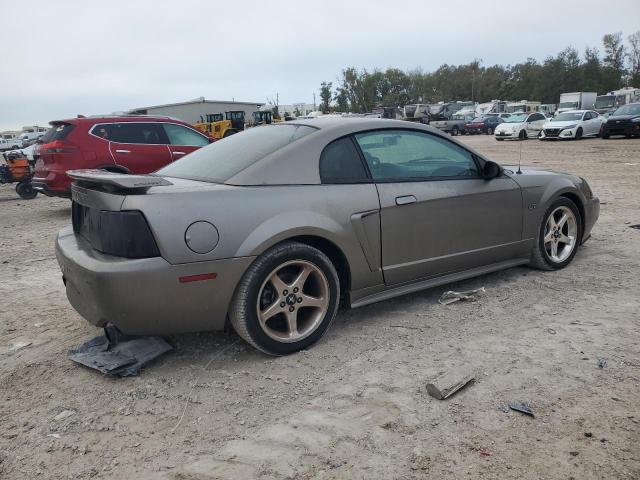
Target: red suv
(128,144)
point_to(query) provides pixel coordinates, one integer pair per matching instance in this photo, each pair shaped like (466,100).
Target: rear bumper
(145,296)
(52,184)
(591,214)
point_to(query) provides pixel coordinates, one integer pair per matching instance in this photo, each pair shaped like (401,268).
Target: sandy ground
(355,405)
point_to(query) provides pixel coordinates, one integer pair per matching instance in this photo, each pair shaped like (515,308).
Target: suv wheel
(286,300)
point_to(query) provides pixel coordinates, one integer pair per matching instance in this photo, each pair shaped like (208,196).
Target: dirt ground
(355,405)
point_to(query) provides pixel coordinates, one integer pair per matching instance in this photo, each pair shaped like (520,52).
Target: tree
(633,56)
(325,96)
(614,55)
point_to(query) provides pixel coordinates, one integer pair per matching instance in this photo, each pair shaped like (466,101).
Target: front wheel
(558,237)
(522,135)
(489,131)
(579,133)
(26,190)
(286,300)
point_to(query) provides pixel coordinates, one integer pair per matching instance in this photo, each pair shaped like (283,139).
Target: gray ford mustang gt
(271,229)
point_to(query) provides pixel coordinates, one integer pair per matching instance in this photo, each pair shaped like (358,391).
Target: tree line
(617,65)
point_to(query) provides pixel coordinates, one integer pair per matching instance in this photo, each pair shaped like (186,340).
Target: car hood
(613,119)
(561,124)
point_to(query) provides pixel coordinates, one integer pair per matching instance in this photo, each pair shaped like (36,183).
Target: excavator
(218,126)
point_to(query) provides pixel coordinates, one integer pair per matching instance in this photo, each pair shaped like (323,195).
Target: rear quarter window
(221,160)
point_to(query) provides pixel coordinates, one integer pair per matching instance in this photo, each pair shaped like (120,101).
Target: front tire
(455,131)
(558,237)
(522,135)
(578,133)
(286,300)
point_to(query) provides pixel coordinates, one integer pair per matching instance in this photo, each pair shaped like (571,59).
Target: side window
(340,163)
(102,131)
(179,135)
(141,133)
(405,155)
(589,116)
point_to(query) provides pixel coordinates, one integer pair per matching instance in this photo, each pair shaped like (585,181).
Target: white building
(192,111)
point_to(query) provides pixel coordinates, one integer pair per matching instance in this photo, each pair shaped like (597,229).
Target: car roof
(80,120)
(297,162)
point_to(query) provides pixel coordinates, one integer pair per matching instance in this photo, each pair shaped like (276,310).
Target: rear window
(57,132)
(225,158)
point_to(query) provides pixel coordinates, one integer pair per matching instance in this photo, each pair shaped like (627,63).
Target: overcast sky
(65,57)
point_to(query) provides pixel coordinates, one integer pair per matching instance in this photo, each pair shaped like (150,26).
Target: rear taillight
(122,234)
(59,146)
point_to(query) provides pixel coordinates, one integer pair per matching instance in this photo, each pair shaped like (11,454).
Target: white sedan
(574,124)
(520,125)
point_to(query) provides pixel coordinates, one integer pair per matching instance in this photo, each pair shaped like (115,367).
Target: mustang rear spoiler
(116,181)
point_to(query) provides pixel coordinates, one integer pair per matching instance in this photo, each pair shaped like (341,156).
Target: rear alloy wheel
(287,299)
(26,190)
(559,236)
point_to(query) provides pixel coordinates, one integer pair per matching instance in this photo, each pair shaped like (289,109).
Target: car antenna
(519,172)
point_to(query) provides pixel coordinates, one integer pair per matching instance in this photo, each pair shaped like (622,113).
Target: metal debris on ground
(117,354)
(467,296)
(602,363)
(448,384)
(522,408)
(636,226)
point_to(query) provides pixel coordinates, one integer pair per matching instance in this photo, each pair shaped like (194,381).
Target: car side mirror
(491,170)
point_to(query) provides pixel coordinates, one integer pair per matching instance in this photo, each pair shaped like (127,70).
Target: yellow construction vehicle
(218,126)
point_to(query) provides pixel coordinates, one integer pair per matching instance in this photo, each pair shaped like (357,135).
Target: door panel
(141,147)
(453,225)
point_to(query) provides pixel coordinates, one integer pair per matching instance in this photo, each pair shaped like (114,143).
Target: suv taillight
(59,146)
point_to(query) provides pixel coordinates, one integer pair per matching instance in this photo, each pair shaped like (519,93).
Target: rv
(444,111)
(577,101)
(611,101)
(417,112)
(523,106)
(494,106)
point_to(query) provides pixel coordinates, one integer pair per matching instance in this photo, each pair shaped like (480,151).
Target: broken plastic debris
(469,295)
(522,408)
(64,414)
(118,354)
(602,363)
(448,385)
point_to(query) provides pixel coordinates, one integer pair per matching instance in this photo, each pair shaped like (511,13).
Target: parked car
(573,124)
(126,144)
(270,228)
(10,144)
(486,124)
(624,121)
(455,125)
(521,126)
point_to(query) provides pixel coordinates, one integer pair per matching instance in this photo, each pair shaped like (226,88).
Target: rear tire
(278,315)
(26,190)
(542,256)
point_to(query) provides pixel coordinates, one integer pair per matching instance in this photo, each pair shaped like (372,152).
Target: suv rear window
(225,158)
(57,132)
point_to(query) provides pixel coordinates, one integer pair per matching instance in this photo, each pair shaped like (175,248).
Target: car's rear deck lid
(111,181)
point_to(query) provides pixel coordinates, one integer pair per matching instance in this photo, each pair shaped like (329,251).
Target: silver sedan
(270,230)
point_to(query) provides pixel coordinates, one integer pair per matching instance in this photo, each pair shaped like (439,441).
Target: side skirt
(406,288)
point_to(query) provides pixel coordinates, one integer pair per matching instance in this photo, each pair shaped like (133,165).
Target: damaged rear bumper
(145,296)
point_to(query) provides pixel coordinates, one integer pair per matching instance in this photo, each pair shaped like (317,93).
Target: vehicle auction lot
(354,405)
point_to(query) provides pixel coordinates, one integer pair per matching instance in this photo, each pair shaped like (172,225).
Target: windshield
(477,120)
(607,101)
(628,110)
(517,118)
(567,117)
(436,109)
(225,158)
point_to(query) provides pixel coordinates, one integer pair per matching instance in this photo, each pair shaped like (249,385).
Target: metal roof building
(192,110)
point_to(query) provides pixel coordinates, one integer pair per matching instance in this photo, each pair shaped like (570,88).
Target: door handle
(123,151)
(405,200)
(179,153)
